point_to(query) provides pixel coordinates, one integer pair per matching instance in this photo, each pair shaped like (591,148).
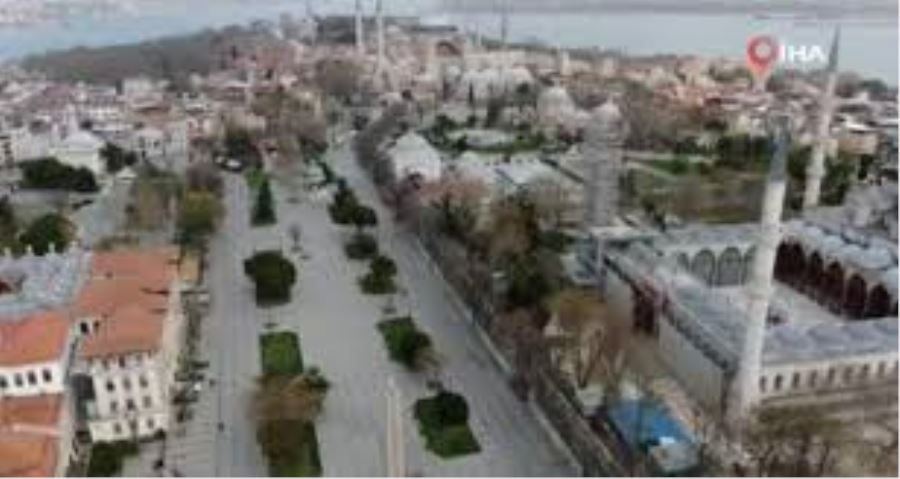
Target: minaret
(379,25)
(816,169)
(360,33)
(602,151)
(759,290)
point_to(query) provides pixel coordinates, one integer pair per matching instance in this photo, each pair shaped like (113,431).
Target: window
(831,374)
(85,329)
(762,384)
(126,384)
(110,386)
(864,372)
(117,428)
(142,380)
(778,382)
(114,406)
(795,381)
(18,380)
(48,376)
(122,362)
(106,364)
(848,374)
(881,369)
(148,402)
(129,405)
(32,378)
(813,378)
(150,424)
(3,383)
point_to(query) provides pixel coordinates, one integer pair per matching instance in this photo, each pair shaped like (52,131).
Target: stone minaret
(360,33)
(816,169)
(602,153)
(759,288)
(379,25)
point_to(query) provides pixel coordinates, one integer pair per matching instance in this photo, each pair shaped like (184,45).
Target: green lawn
(306,463)
(444,438)
(281,353)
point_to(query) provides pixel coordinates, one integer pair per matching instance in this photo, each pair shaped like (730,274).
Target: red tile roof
(29,435)
(128,293)
(34,339)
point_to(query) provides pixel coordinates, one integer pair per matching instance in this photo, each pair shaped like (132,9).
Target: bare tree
(595,342)
(794,441)
(338,78)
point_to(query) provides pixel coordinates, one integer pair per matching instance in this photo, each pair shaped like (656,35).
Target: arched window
(762,384)
(795,381)
(748,264)
(778,383)
(813,378)
(848,374)
(730,266)
(684,261)
(834,286)
(815,276)
(864,373)
(782,262)
(829,379)
(855,298)
(879,303)
(704,265)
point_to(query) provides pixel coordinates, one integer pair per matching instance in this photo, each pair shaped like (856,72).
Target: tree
(512,230)
(551,201)
(405,342)
(380,278)
(239,144)
(273,276)
(338,78)
(50,229)
(290,398)
(794,441)
(9,227)
(362,217)
(594,342)
(116,158)
(264,209)
(285,408)
(197,217)
(204,177)
(50,174)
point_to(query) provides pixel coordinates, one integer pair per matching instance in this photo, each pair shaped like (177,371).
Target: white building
(412,155)
(80,149)
(129,314)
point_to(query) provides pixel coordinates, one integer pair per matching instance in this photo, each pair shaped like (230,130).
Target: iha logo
(765,51)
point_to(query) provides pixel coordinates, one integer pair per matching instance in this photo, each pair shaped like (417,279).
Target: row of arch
(849,375)
(731,268)
(829,284)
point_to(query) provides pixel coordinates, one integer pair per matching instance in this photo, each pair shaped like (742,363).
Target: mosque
(793,312)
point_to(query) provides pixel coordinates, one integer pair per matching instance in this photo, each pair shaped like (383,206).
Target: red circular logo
(762,51)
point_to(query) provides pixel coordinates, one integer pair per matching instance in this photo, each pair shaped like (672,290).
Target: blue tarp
(669,446)
(655,423)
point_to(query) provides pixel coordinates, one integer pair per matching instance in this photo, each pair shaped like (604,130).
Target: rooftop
(36,339)
(28,435)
